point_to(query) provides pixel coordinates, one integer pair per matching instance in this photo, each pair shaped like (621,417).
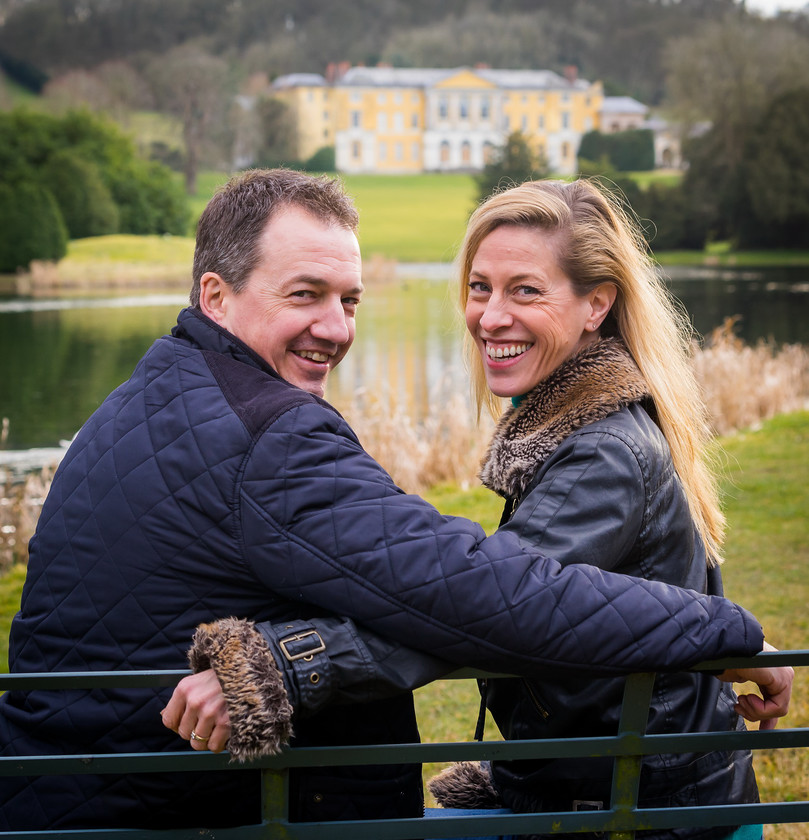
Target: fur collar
(601,379)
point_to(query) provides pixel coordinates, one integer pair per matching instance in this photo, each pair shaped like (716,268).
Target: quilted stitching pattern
(167,475)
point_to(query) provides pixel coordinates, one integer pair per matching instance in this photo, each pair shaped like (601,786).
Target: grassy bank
(766,498)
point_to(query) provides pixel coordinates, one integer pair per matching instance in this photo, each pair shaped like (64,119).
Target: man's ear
(213,295)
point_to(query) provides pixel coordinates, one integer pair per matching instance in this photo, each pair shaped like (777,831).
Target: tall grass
(743,385)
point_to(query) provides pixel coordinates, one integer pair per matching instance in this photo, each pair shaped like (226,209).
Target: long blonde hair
(600,243)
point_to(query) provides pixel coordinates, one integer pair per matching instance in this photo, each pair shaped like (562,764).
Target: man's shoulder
(255,395)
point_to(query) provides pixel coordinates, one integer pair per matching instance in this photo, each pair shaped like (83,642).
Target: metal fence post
(626,773)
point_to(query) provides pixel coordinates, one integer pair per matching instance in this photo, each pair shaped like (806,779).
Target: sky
(770,7)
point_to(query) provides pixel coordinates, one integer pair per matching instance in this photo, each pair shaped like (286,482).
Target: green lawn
(417,218)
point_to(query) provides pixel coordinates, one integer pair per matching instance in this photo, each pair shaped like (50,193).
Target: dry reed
(20,505)
(743,386)
(46,279)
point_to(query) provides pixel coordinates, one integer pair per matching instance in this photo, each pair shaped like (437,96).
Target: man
(216,481)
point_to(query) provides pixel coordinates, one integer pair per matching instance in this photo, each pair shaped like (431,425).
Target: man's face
(297,309)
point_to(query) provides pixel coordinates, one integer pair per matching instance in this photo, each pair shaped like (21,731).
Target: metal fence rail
(619,822)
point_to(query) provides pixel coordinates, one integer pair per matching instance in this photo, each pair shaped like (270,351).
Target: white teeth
(506,352)
(313,355)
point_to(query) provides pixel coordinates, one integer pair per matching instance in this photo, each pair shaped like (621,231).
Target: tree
(727,74)
(192,84)
(776,179)
(84,199)
(626,151)
(99,181)
(513,163)
(276,129)
(722,81)
(31,226)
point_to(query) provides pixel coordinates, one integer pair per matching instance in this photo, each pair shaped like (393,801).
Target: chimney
(571,73)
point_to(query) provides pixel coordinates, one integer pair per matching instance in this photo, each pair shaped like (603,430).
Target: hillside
(621,42)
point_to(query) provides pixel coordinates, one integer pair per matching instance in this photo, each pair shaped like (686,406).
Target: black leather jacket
(588,477)
(610,491)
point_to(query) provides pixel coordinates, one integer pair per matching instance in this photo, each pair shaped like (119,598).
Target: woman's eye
(528,291)
(477,287)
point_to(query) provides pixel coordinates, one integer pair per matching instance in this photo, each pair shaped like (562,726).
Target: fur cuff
(258,706)
(467,784)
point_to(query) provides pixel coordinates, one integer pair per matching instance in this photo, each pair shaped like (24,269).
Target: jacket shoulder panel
(257,397)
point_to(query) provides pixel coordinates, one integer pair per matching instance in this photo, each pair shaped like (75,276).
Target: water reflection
(59,360)
(770,304)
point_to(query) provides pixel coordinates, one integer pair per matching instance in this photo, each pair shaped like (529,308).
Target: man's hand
(197,712)
(775,685)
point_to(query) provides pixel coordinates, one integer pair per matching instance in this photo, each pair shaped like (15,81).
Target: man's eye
(355,302)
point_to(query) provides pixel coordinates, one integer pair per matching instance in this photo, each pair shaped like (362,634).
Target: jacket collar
(206,334)
(601,379)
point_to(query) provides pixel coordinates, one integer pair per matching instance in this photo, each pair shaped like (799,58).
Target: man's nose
(332,323)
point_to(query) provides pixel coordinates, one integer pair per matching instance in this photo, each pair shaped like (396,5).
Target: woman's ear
(601,301)
(213,296)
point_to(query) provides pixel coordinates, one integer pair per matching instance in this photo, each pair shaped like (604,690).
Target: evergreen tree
(31,226)
(85,201)
(513,164)
(777,176)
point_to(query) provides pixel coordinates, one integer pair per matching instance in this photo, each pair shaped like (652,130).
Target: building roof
(622,105)
(299,80)
(427,77)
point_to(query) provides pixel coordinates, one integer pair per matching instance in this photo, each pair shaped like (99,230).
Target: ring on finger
(195,737)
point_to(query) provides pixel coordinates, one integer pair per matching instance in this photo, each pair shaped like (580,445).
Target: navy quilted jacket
(206,486)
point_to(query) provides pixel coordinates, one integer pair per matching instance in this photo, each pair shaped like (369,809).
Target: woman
(601,460)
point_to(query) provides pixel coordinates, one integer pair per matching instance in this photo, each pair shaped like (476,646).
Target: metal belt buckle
(307,654)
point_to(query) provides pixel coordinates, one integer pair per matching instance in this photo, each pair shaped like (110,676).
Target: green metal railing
(619,822)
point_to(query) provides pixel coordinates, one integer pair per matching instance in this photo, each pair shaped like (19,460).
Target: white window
(383,151)
(381,122)
(355,119)
(485,107)
(398,151)
(398,122)
(464,107)
(443,107)
(565,120)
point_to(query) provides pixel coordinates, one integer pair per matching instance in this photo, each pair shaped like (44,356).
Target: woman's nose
(496,314)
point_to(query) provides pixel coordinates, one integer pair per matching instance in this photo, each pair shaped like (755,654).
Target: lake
(59,359)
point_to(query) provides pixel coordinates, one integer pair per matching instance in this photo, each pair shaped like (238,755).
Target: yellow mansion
(407,120)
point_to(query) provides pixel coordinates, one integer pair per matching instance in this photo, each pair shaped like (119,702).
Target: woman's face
(522,312)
